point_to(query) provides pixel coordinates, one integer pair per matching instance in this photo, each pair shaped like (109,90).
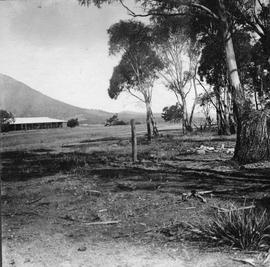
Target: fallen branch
(233,209)
(134,233)
(138,186)
(195,194)
(102,223)
(206,192)
(21,213)
(34,201)
(245,261)
(219,208)
(68,218)
(94,192)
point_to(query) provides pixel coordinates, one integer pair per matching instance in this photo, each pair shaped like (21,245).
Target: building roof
(30,120)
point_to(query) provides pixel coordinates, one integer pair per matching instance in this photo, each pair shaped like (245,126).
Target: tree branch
(135,95)
(164,14)
(206,9)
(207,93)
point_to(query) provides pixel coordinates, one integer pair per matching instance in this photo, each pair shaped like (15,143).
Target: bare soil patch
(55,204)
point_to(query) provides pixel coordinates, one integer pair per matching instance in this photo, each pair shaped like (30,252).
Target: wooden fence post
(133,140)
(1,232)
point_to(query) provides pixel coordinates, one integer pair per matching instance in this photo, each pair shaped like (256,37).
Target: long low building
(31,123)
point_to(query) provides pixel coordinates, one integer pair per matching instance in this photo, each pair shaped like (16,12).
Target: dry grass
(246,229)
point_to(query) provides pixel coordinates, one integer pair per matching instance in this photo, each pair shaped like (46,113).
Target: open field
(57,139)
(61,185)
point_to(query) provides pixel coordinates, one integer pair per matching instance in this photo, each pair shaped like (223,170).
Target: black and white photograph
(135,133)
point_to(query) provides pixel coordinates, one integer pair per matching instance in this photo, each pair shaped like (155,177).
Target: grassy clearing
(47,189)
(56,138)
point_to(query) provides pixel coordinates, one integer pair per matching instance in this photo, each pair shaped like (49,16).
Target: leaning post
(133,140)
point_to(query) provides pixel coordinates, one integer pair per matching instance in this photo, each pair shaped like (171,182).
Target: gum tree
(138,68)
(253,131)
(180,56)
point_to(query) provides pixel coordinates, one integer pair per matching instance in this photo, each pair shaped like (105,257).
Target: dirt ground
(55,203)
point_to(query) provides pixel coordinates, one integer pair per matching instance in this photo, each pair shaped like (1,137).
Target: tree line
(224,46)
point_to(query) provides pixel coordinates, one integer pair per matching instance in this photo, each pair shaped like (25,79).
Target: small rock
(82,248)
(230,151)
(200,152)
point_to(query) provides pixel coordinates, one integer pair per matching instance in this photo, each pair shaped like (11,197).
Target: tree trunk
(154,124)
(254,138)
(223,123)
(194,103)
(148,120)
(252,142)
(187,127)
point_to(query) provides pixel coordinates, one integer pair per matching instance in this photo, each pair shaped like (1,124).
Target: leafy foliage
(5,119)
(114,121)
(173,113)
(139,64)
(73,123)
(129,36)
(206,103)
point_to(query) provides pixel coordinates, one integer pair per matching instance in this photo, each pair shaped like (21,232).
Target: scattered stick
(102,223)
(34,201)
(233,209)
(138,186)
(201,198)
(134,233)
(20,214)
(94,192)
(246,208)
(104,210)
(126,187)
(245,261)
(195,194)
(220,209)
(68,218)
(206,192)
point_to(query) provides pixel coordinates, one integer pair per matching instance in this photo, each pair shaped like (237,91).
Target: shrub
(112,121)
(5,119)
(244,229)
(73,123)
(173,113)
(4,127)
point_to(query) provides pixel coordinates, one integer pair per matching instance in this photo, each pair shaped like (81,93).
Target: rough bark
(187,119)
(148,121)
(154,125)
(254,141)
(223,123)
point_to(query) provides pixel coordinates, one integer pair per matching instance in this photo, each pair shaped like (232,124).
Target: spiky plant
(245,229)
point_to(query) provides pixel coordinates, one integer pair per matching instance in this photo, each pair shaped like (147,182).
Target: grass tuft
(246,229)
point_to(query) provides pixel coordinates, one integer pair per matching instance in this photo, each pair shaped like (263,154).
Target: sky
(60,49)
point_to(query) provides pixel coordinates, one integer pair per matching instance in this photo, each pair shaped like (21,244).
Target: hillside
(23,101)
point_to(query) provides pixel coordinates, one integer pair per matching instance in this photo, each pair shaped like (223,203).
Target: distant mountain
(23,101)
